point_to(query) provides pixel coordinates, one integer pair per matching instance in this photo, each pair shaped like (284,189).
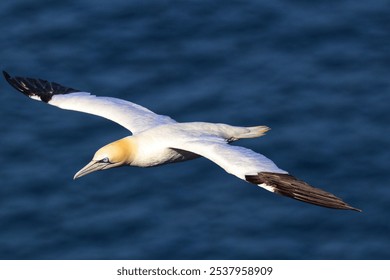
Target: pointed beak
(90,167)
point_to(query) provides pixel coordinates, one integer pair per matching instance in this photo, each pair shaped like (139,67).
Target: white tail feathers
(229,132)
(247,132)
(256,131)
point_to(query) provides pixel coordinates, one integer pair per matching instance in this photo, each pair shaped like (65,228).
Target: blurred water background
(316,72)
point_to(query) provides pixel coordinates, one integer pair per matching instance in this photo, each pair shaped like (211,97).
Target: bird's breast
(154,157)
(153,151)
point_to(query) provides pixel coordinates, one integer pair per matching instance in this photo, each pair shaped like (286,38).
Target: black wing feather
(37,87)
(287,185)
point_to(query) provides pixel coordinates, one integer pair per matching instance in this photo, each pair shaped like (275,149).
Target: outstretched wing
(258,169)
(129,115)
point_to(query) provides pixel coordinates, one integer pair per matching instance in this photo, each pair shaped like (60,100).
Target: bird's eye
(105,160)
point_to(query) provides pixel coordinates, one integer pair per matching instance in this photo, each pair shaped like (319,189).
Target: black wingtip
(287,185)
(15,83)
(9,79)
(6,75)
(37,87)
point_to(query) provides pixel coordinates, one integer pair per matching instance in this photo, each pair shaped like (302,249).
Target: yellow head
(115,154)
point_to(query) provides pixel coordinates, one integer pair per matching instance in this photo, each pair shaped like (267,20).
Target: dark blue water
(316,72)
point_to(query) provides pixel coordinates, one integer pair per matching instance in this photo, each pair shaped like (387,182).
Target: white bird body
(159,139)
(184,141)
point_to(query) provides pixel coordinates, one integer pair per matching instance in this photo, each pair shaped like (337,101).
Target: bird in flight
(158,139)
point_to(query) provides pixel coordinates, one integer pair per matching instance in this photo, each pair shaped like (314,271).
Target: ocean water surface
(317,73)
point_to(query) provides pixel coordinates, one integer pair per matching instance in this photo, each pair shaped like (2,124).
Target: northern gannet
(158,139)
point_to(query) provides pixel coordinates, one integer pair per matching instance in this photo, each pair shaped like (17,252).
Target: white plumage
(158,139)
(129,115)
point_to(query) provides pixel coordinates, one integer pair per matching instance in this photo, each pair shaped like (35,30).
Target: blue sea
(316,72)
